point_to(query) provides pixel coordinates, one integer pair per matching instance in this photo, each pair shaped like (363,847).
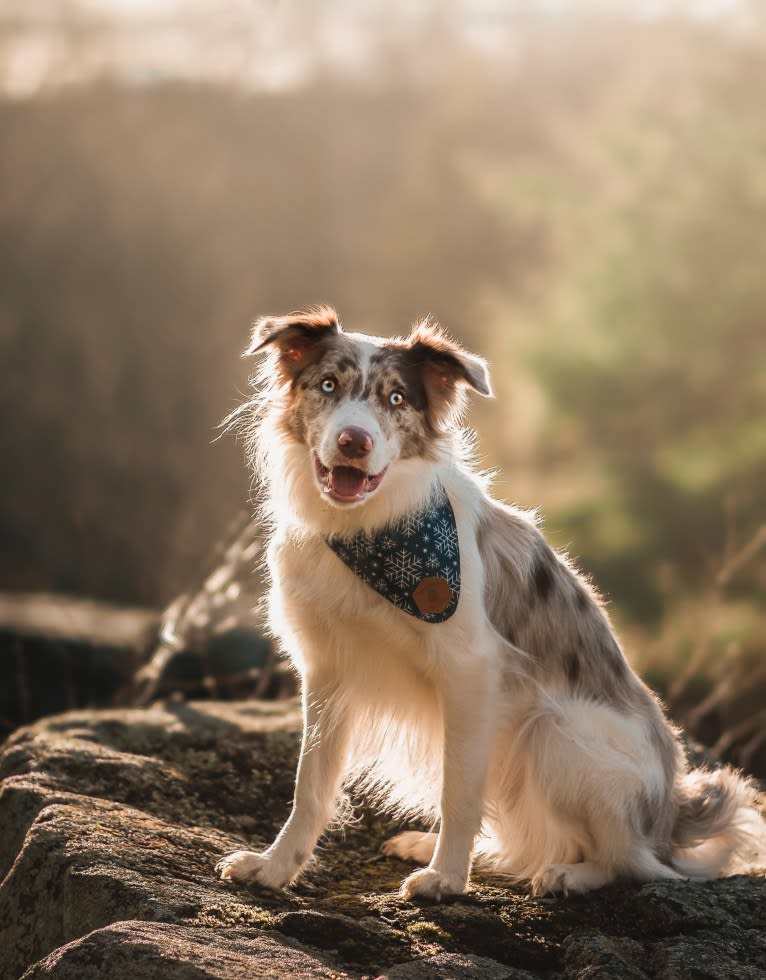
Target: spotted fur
(517,725)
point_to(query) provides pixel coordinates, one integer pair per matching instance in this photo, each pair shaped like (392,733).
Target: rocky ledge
(111,822)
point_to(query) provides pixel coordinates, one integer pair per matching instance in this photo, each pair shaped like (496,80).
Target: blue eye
(396,398)
(328,385)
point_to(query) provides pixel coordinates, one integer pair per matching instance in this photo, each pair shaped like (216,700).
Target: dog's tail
(720,828)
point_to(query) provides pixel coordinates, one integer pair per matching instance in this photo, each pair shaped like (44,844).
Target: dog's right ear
(297,337)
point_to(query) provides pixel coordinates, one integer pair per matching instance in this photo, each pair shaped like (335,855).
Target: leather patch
(432,595)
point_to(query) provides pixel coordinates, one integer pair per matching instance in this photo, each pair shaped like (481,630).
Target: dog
(452,663)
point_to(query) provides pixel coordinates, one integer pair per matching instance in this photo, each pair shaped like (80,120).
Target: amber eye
(396,398)
(328,385)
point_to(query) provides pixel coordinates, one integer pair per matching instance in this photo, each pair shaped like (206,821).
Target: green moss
(429,931)
(233,914)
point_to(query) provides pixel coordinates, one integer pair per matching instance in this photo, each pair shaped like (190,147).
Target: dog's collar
(414,563)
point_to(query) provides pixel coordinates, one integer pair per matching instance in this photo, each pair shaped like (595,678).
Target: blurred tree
(654,360)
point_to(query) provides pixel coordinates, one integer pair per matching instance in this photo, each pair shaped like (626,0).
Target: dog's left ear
(444,364)
(297,337)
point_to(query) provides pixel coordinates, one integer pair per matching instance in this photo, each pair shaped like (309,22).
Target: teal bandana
(414,563)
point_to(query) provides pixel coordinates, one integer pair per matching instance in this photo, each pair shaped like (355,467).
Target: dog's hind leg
(600,779)
(589,875)
(411,845)
(320,770)
(567,878)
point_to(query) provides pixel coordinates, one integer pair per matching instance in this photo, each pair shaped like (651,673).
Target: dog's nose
(354,442)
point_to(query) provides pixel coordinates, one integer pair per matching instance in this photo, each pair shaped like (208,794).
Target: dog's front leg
(320,770)
(467,730)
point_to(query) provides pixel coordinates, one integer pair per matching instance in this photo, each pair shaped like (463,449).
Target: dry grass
(710,669)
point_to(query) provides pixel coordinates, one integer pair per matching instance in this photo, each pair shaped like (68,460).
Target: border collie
(451,662)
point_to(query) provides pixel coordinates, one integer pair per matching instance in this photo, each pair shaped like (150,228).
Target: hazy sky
(262,43)
(702,8)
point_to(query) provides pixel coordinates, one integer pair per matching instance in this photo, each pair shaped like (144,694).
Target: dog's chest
(325,610)
(310,576)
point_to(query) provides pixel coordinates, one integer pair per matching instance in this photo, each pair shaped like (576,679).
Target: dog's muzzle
(346,484)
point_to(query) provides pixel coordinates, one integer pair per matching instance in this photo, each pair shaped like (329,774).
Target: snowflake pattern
(396,560)
(445,541)
(403,568)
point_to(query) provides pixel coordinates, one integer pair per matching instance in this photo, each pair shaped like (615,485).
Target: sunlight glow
(272,44)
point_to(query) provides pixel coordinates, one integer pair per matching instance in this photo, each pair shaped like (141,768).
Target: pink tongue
(347,481)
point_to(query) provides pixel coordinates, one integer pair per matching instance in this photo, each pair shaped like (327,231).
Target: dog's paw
(551,881)
(411,845)
(432,885)
(249,868)
(566,879)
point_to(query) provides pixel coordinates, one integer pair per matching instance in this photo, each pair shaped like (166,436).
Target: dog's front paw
(249,868)
(431,884)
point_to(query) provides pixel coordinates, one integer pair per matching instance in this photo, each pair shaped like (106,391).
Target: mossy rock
(111,822)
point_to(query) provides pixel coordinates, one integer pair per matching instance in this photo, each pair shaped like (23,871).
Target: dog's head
(361,405)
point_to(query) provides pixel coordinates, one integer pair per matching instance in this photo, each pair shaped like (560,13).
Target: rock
(86,651)
(211,641)
(229,664)
(140,949)
(111,822)
(596,955)
(456,966)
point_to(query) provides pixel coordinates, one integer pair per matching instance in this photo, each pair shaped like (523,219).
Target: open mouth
(346,484)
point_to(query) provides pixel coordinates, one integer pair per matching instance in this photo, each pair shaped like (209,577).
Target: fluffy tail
(720,829)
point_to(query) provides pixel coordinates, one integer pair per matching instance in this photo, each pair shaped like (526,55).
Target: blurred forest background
(578,192)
